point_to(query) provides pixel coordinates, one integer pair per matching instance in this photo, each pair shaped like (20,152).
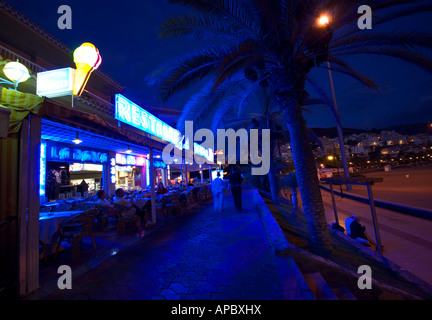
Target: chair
(45,209)
(83,206)
(124,217)
(78,194)
(174,207)
(69,195)
(75,229)
(62,196)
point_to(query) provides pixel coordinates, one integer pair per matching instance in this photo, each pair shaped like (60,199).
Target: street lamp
(16,72)
(323,22)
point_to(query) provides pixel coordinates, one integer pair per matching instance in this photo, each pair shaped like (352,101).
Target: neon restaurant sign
(130,113)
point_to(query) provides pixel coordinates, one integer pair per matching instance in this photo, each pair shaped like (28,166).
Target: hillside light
(87,59)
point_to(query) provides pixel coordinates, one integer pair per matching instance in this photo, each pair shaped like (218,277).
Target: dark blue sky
(126,34)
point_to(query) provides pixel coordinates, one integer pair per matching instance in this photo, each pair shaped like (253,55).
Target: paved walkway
(204,256)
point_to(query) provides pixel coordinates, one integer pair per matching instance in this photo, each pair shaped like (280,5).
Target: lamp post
(324,21)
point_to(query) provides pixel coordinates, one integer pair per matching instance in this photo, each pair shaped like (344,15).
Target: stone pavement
(202,256)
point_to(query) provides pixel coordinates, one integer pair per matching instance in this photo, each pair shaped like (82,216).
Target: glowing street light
(16,72)
(87,59)
(323,20)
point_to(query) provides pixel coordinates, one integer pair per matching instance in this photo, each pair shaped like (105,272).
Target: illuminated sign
(55,83)
(206,153)
(57,153)
(113,170)
(85,167)
(159,164)
(42,169)
(128,112)
(147,172)
(129,160)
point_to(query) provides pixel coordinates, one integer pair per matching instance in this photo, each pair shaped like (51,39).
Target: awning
(20,104)
(73,117)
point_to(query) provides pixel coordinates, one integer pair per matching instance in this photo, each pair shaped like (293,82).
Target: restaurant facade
(63,146)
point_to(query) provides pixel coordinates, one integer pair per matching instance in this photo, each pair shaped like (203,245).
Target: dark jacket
(357,230)
(235,179)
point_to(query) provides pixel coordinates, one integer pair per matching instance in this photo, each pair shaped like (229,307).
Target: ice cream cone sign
(87,59)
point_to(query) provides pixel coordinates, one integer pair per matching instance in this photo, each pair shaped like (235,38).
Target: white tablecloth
(49,223)
(140,203)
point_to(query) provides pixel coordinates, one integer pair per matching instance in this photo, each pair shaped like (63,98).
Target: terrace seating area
(72,226)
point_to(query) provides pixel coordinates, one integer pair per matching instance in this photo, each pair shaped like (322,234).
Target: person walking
(218,186)
(235,182)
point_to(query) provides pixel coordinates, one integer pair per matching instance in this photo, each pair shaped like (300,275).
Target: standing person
(235,182)
(217,188)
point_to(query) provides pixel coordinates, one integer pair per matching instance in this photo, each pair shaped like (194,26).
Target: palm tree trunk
(307,178)
(288,87)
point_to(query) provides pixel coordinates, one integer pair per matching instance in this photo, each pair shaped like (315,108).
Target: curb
(274,233)
(416,212)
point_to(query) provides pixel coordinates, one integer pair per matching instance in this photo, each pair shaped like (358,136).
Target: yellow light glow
(330,157)
(16,72)
(87,59)
(323,20)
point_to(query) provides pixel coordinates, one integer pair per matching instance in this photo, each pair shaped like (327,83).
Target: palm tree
(237,103)
(278,42)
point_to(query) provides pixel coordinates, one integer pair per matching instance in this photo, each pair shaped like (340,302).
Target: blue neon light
(42,169)
(128,112)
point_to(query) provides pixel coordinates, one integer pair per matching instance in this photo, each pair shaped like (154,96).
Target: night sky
(126,34)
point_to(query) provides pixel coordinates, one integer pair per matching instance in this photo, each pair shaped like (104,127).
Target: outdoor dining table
(49,223)
(140,203)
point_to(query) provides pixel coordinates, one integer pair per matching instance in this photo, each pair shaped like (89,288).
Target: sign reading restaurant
(130,113)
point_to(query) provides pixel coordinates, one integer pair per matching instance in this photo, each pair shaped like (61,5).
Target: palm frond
(200,26)
(405,12)
(181,72)
(413,58)
(242,56)
(233,12)
(399,39)
(344,68)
